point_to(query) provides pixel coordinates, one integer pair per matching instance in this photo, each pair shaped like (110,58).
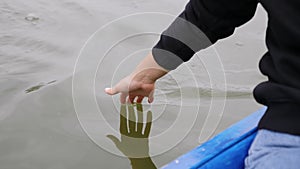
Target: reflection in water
(34,88)
(37,87)
(134,142)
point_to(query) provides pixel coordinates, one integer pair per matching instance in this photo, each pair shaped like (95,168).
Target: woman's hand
(140,84)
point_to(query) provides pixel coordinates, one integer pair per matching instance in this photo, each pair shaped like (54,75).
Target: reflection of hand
(134,143)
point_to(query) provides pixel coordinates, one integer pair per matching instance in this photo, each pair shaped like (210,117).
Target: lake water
(45,76)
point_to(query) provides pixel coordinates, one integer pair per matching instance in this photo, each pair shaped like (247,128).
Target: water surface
(39,44)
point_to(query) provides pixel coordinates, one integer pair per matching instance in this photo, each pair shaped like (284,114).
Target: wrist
(147,76)
(148,71)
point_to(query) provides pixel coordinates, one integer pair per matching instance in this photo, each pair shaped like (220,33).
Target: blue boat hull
(227,150)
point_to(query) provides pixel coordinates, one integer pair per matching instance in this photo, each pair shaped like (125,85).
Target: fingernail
(107,89)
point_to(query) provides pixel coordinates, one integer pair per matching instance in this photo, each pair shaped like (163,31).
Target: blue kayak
(227,150)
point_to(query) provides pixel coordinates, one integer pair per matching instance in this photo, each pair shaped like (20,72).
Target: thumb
(111,91)
(114,139)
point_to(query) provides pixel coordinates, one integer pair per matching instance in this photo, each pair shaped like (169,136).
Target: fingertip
(113,139)
(123,98)
(123,101)
(151,97)
(140,99)
(129,101)
(107,90)
(109,135)
(150,100)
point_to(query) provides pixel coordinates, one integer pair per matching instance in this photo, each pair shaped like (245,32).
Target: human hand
(134,142)
(133,86)
(140,84)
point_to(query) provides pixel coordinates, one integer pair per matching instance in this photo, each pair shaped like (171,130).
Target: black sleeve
(201,24)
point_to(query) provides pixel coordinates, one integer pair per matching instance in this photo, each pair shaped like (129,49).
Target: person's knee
(275,151)
(285,159)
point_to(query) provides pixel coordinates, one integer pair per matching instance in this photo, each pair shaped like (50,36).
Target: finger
(123,120)
(114,139)
(139,108)
(148,124)
(140,99)
(151,97)
(131,98)
(111,91)
(123,97)
(131,118)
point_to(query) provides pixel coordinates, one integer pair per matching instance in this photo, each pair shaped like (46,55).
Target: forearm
(200,25)
(138,163)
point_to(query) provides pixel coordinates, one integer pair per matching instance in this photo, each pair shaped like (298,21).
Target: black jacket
(203,22)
